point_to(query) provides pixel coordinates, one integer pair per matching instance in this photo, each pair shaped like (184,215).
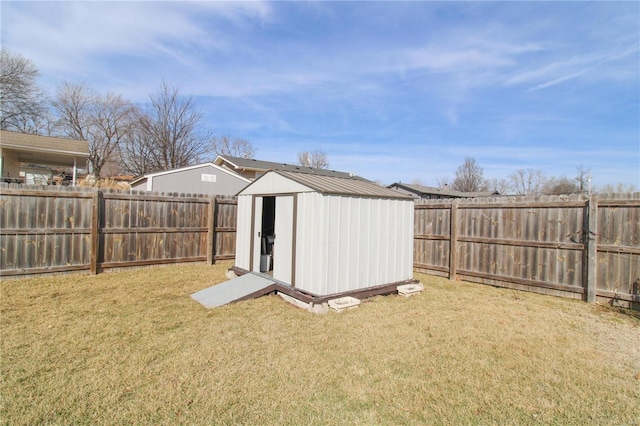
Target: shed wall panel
(353,234)
(350,243)
(243,232)
(312,242)
(282,261)
(333,241)
(365,238)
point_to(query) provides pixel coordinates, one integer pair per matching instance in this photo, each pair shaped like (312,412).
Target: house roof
(239,164)
(443,192)
(196,166)
(335,185)
(44,149)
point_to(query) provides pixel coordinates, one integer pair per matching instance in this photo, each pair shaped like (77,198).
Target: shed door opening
(267,233)
(273,242)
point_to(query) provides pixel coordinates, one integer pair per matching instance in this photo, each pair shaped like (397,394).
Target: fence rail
(574,246)
(54,229)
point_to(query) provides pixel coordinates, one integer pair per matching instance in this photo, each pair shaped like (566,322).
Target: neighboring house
(253,169)
(428,192)
(206,178)
(324,235)
(35,159)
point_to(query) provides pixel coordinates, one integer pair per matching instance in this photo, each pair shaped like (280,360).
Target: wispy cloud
(582,70)
(68,39)
(423,84)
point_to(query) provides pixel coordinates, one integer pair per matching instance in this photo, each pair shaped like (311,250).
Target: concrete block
(293,301)
(408,290)
(318,308)
(343,303)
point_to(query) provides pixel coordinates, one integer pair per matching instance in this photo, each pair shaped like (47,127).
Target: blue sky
(392,91)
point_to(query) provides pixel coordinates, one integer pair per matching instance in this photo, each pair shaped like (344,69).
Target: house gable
(206,178)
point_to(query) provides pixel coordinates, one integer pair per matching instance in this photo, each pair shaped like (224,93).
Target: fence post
(95,231)
(211,238)
(591,248)
(453,240)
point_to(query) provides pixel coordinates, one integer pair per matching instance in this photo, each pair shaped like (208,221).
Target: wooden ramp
(248,286)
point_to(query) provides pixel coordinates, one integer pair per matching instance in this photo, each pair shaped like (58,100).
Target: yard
(133,348)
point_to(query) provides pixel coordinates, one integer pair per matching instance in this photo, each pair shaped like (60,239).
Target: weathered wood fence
(53,229)
(574,246)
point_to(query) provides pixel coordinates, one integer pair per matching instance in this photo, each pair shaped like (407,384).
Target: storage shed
(324,235)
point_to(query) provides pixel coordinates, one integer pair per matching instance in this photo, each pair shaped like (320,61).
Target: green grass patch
(134,348)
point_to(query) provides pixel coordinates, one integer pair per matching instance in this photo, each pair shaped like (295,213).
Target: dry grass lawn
(133,348)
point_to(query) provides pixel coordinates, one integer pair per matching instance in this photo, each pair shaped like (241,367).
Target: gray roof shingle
(259,165)
(443,192)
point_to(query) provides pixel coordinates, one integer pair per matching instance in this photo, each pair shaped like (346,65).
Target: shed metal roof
(341,185)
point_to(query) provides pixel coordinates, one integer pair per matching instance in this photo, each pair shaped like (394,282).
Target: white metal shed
(324,235)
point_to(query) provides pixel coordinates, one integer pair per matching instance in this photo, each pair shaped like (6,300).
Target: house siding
(10,164)
(190,182)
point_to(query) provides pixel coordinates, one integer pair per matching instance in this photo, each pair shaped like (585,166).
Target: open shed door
(257,234)
(283,244)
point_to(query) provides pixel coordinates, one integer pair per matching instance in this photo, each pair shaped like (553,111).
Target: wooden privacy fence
(574,246)
(53,229)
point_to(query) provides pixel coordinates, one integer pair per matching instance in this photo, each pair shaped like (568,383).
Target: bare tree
(170,134)
(22,102)
(501,186)
(138,152)
(104,121)
(113,125)
(560,186)
(443,182)
(114,167)
(618,188)
(583,179)
(469,177)
(73,104)
(316,159)
(42,123)
(236,147)
(527,181)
